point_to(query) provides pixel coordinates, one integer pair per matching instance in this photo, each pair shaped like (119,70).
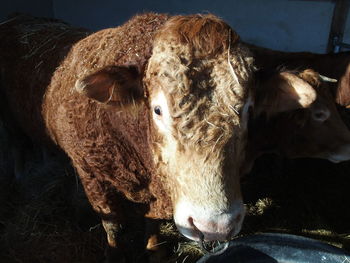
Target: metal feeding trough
(277,248)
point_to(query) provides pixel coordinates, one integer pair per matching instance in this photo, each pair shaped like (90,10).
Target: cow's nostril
(320,114)
(199,233)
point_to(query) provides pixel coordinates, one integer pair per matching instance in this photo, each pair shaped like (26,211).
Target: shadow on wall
(277,24)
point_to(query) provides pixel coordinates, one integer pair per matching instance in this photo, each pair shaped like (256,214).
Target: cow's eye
(158,110)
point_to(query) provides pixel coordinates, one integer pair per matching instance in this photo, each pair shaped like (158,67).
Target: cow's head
(319,131)
(198,85)
(312,129)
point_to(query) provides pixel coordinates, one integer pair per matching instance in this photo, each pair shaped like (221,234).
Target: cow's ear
(113,85)
(283,92)
(343,90)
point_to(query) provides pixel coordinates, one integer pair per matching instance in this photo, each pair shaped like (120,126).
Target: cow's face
(198,83)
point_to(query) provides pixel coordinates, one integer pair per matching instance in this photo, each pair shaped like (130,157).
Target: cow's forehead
(205,94)
(205,35)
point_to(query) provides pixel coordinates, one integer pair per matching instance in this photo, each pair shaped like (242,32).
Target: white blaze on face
(161,114)
(163,122)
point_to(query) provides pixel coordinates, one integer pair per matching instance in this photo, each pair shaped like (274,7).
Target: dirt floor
(45,217)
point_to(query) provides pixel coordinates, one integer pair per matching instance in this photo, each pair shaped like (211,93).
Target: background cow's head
(319,130)
(306,125)
(315,131)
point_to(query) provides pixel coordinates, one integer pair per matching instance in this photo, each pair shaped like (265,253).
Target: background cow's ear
(113,85)
(343,90)
(284,92)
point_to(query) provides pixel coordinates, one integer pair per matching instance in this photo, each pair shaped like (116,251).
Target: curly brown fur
(28,61)
(204,84)
(117,136)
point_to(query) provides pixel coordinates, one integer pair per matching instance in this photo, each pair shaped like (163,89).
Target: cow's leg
(104,201)
(112,219)
(156,249)
(113,252)
(111,231)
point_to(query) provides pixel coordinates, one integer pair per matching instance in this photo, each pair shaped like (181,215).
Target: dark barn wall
(346,38)
(291,25)
(33,7)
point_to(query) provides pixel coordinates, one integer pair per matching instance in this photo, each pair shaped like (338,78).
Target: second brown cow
(317,131)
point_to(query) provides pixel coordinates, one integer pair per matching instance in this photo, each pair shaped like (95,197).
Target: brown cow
(153,114)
